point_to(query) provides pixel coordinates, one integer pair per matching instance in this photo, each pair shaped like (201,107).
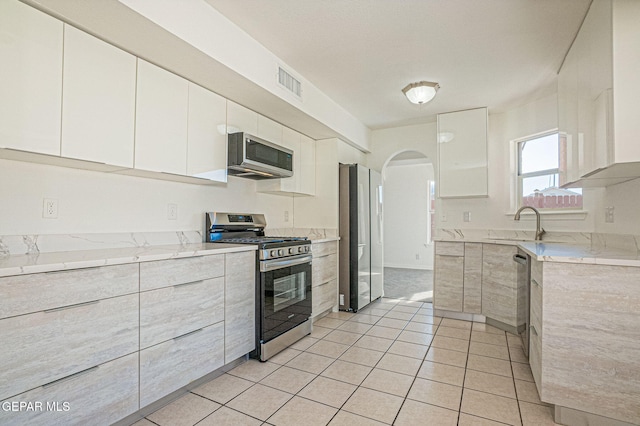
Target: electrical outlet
(417,256)
(50,208)
(608,214)
(466,216)
(286,215)
(172,211)
(342,300)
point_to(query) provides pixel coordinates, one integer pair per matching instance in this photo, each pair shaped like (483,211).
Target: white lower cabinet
(175,363)
(100,395)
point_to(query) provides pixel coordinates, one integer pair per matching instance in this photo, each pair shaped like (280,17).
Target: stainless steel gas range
(283,279)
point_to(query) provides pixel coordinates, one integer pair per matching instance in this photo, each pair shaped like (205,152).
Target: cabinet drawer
(24,294)
(449,249)
(169,312)
(324,297)
(171,365)
(45,346)
(324,269)
(323,249)
(165,273)
(100,395)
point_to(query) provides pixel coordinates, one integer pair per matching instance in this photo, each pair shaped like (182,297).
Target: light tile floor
(391,363)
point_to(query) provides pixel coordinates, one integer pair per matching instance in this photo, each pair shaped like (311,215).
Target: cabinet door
(499,284)
(472,278)
(30,79)
(462,153)
(239,305)
(207,138)
(269,130)
(98,100)
(101,395)
(173,364)
(46,346)
(241,119)
(161,120)
(448,282)
(307,169)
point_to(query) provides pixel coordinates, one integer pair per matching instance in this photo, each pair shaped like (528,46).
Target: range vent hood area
(255,158)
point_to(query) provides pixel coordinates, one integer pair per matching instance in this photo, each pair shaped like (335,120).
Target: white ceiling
(361,53)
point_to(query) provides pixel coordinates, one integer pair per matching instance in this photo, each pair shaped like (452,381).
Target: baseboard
(400,266)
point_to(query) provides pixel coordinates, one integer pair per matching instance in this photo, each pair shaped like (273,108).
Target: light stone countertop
(323,240)
(573,253)
(66,260)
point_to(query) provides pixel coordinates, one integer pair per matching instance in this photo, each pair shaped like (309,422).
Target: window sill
(552,214)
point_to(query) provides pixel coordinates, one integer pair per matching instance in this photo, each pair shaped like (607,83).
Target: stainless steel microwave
(255,158)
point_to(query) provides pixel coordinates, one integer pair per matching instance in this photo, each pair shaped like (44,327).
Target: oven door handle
(270,265)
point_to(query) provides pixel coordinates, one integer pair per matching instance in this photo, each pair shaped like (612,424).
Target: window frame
(560,170)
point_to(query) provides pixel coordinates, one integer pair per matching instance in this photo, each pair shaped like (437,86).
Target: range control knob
(306,249)
(272,253)
(280,252)
(300,249)
(291,250)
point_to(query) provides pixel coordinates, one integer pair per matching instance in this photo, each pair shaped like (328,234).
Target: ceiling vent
(289,82)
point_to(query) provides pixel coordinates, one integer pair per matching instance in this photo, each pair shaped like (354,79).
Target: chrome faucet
(539,230)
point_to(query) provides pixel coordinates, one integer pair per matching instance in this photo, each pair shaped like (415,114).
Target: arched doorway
(408,185)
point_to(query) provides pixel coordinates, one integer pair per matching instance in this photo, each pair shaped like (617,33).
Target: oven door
(285,295)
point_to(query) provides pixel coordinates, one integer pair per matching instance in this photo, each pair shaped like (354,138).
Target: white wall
(95,202)
(406,210)
(495,211)
(625,199)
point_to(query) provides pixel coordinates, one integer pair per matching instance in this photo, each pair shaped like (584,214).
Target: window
(542,165)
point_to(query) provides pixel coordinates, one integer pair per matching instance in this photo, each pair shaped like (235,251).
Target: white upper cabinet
(161,120)
(207,138)
(98,100)
(462,154)
(241,119)
(269,130)
(303,181)
(597,95)
(30,79)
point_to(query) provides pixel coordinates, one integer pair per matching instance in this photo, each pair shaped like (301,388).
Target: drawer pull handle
(533,330)
(71,376)
(62,308)
(185,284)
(188,334)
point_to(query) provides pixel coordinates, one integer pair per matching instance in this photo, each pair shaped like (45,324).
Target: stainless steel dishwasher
(524,295)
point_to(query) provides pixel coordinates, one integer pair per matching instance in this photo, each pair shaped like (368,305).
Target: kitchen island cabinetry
(98,100)
(324,279)
(30,79)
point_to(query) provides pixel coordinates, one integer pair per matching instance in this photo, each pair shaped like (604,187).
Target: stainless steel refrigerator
(361,270)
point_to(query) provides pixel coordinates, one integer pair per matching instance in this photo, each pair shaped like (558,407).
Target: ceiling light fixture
(421,92)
